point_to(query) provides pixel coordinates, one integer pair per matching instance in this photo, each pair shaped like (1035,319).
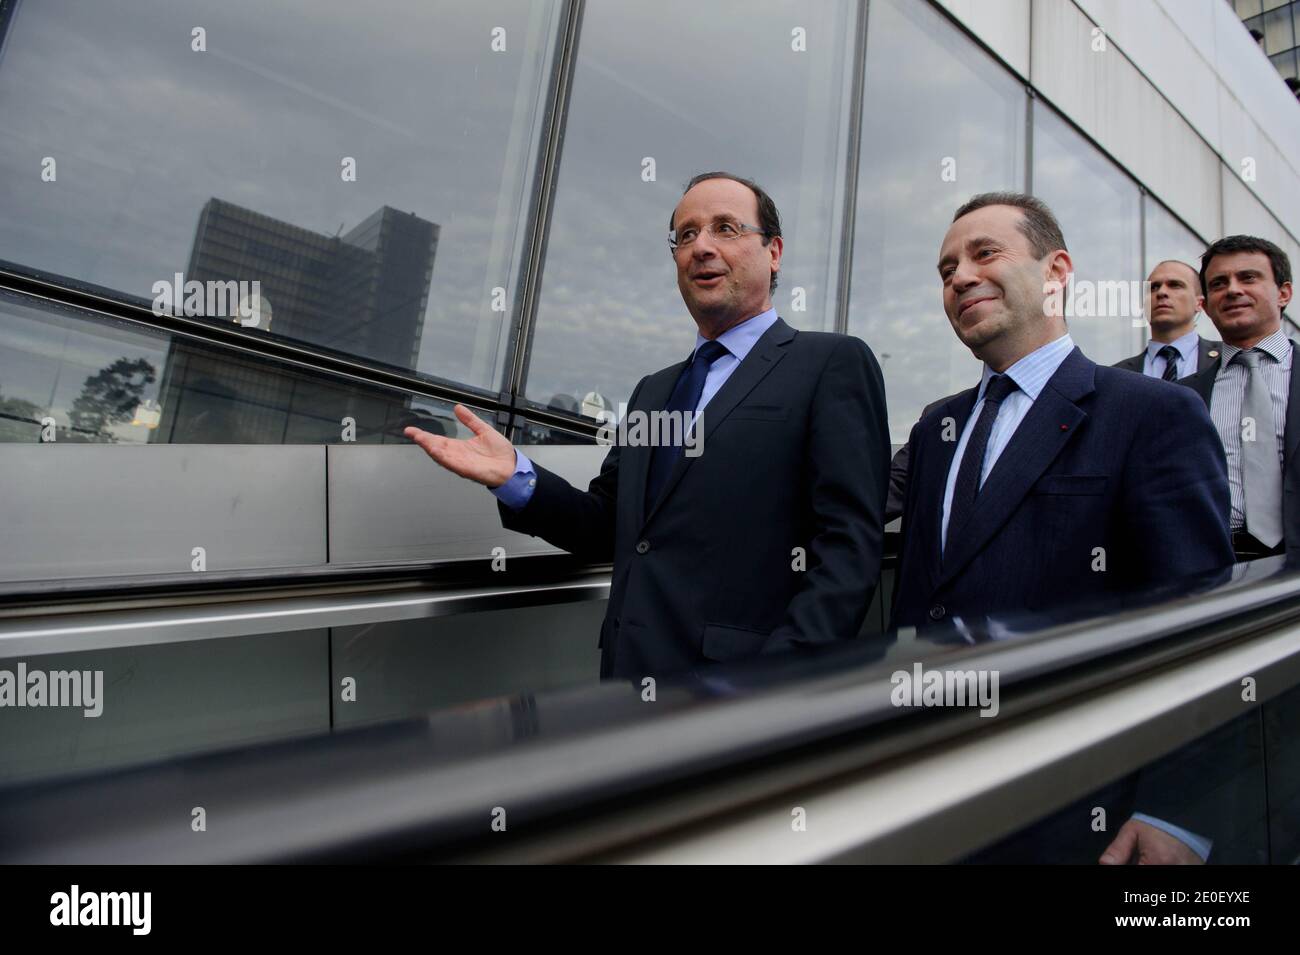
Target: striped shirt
(1230,394)
(1030,375)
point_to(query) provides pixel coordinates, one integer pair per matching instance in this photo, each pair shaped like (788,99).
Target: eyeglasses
(724,230)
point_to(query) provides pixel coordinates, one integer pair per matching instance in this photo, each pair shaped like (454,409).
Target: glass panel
(1097,206)
(1212,789)
(115,382)
(1248,8)
(914,174)
(158,701)
(1168,238)
(378,200)
(412,666)
(1286,64)
(1277,31)
(661,92)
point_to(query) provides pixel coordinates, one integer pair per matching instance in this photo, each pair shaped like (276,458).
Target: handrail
(408,790)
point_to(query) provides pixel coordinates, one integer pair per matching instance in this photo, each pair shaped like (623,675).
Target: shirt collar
(1277,345)
(1186,345)
(1031,372)
(740,339)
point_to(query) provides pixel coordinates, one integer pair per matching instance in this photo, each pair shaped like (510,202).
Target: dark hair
(1037,223)
(769,220)
(1277,259)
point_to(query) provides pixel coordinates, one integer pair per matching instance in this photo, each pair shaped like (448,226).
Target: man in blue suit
(1054,479)
(769,538)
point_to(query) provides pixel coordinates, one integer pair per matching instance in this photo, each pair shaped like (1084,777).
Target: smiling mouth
(964,306)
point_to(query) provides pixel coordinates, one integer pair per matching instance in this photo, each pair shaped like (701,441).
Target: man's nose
(963,277)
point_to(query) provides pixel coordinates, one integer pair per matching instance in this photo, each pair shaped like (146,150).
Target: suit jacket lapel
(929,500)
(762,358)
(1051,423)
(1208,354)
(636,458)
(1203,381)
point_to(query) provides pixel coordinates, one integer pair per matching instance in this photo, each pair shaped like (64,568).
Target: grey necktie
(1261,474)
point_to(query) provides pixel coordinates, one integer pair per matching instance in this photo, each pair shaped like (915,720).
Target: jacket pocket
(722,642)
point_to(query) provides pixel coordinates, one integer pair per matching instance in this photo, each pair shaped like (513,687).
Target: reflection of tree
(110,396)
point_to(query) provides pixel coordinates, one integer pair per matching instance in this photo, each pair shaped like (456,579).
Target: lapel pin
(1214,354)
(1065,427)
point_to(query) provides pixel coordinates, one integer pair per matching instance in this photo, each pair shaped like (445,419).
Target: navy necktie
(1170,354)
(685,396)
(972,463)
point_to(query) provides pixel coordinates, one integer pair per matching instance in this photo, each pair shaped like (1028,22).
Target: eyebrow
(720,217)
(974,242)
(1245,273)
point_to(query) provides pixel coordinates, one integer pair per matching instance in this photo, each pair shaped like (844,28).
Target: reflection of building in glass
(363,293)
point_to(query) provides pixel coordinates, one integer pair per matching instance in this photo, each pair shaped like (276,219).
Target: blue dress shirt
(739,340)
(1189,353)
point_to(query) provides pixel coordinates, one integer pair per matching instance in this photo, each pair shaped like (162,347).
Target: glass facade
(652,106)
(379,201)
(1103,232)
(913,175)
(480,214)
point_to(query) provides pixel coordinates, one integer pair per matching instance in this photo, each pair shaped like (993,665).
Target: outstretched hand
(488,457)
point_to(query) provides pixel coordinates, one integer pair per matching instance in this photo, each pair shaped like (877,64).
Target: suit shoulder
(1152,392)
(826,342)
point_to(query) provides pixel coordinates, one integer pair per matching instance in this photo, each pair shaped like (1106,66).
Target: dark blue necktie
(1170,354)
(685,396)
(967,487)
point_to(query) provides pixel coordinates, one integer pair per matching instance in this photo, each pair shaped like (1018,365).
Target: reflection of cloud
(306,90)
(411,89)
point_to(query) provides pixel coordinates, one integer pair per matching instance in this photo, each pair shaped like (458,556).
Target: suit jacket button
(642,546)
(937,612)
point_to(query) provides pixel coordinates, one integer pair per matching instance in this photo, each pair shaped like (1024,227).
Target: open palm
(488,457)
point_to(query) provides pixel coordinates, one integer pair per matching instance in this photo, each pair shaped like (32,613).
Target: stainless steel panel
(395,504)
(60,632)
(87,510)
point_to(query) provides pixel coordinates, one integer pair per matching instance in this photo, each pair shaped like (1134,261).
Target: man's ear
(1284,295)
(775,248)
(1059,267)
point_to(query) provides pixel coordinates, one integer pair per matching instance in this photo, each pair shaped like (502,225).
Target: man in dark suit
(1253,392)
(1173,302)
(1054,479)
(771,537)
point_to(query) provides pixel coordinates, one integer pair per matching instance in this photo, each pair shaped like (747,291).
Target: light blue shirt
(1030,375)
(1189,352)
(739,340)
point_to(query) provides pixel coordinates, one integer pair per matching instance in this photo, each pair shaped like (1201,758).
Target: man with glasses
(758,527)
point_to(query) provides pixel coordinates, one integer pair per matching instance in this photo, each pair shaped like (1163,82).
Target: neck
(1000,359)
(712,327)
(1167,335)
(1253,338)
